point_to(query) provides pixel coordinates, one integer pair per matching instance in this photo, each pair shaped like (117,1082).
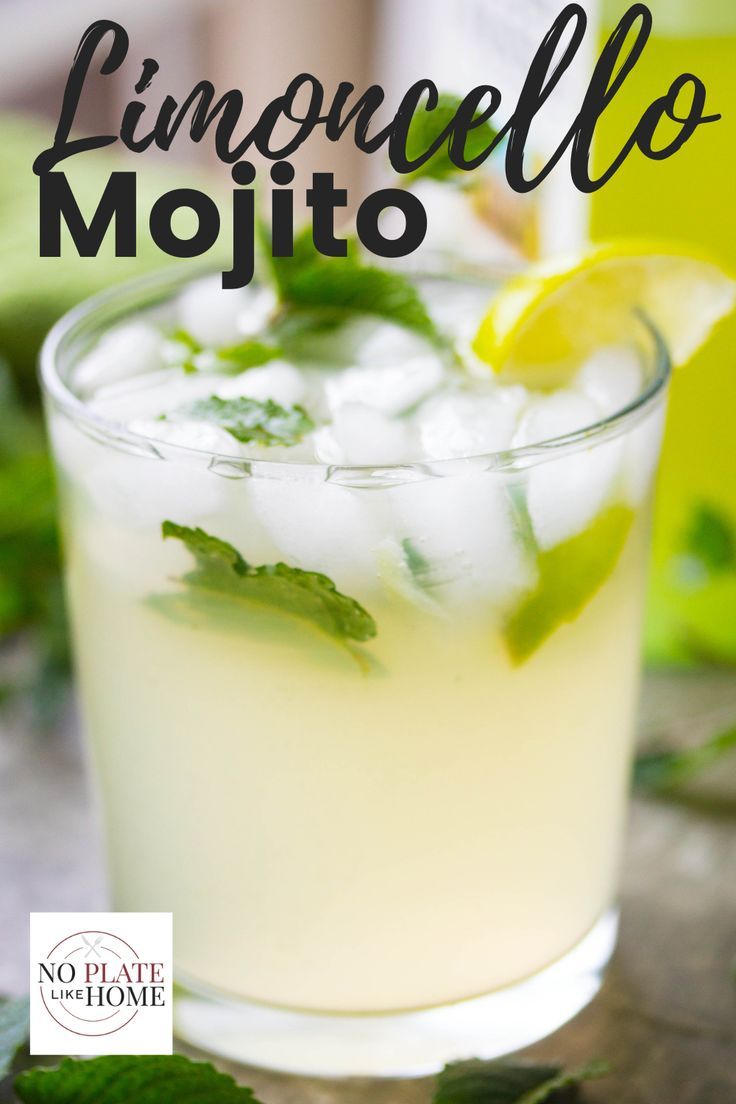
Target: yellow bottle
(689,197)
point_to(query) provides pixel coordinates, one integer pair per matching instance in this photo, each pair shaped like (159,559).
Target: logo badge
(101,983)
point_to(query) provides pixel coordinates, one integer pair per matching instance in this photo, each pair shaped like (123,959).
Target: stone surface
(666,1017)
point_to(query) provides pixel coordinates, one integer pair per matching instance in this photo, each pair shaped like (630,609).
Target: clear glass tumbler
(384,856)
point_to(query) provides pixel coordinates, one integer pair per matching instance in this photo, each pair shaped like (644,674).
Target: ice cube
(462,526)
(565,494)
(130,349)
(361,435)
(321,526)
(218,316)
(149,396)
(392,388)
(258,305)
(469,423)
(384,344)
(555,415)
(135,489)
(611,377)
(277,380)
(188,433)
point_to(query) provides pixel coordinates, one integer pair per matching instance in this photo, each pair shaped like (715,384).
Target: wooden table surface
(666,1017)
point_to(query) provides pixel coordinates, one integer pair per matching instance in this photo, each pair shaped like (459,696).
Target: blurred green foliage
(34,293)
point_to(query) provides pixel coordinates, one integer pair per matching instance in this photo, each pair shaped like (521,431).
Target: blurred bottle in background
(687,198)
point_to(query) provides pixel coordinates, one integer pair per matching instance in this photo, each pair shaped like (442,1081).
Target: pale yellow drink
(416,819)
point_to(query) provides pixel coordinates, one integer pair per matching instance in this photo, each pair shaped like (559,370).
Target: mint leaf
(418,565)
(333,289)
(568,576)
(507,1082)
(425,127)
(285,270)
(343,287)
(119,1079)
(261,421)
(308,595)
(660,771)
(251,353)
(711,539)
(181,350)
(14,1029)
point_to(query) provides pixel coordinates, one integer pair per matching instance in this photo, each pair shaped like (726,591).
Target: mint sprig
(262,422)
(307,595)
(172,1079)
(500,1081)
(425,128)
(138,1079)
(14,1029)
(331,290)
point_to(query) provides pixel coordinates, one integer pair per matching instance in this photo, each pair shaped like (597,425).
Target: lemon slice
(543,322)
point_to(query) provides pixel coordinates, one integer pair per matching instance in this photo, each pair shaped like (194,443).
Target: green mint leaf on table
(262,422)
(307,595)
(425,128)
(662,771)
(118,1079)
(568,576)
(711,539)
(501,1081)
(332,290)
(14,1029)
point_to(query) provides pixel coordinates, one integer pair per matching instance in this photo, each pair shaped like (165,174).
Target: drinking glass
(384,853)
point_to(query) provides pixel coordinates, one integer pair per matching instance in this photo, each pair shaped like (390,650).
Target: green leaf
(138,1079)
(183,337)
(251,353)
(426,126)
(14,1028)
(331,290)
(658,772)
(508,1082)
(285,270)
(342,288)
(181,350)
(308,595)
(184,351)
(418,565)
(568,576)
(261,421)
(711,539)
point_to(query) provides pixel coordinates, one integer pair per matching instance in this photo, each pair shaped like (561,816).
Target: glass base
(405,1044)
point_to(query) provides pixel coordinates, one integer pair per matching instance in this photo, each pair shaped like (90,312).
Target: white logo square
(100,983)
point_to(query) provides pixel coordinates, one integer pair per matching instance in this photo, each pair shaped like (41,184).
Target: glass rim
(162,284)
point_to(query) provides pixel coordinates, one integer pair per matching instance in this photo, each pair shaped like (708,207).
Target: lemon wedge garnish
(543,322)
